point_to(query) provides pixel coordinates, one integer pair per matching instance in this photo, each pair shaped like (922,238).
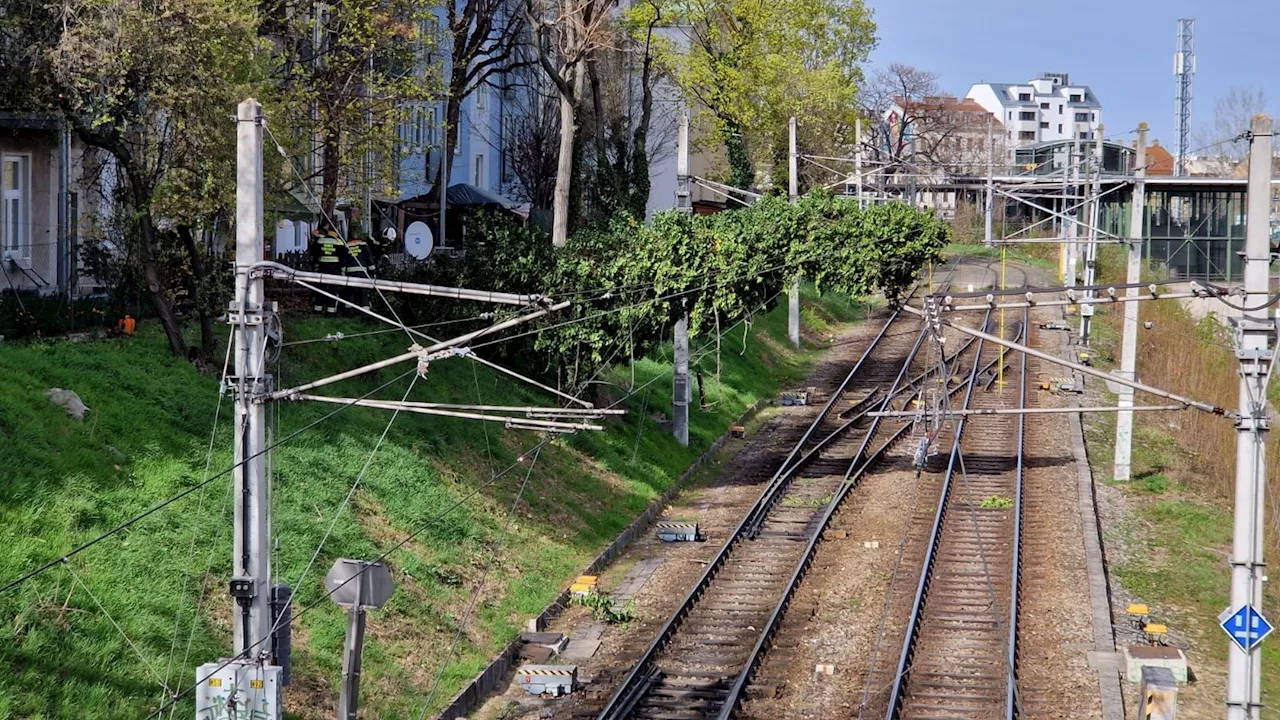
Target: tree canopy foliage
(752,65)
(630,281)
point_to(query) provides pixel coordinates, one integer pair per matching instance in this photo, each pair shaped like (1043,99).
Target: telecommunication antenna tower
(1184,69)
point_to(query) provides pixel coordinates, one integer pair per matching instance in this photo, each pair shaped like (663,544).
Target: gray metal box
(1158,694)
(554,680)
(239,691)
(677,531)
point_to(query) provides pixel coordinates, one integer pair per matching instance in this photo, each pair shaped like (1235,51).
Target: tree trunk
(741,174)
(155,286)
(606,187)
(640,182)
(200,292)
(564,172)
(331,155)
(452,116)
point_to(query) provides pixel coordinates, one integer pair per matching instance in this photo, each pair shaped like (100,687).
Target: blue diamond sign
(1247,627)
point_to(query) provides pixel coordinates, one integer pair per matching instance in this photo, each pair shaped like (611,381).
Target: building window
(1027,115)
(1082,117)
(1024,97)
(1010,114)
(478,177)
(1093,117)
(1084,134)
(15,226)
(481,99)
(1044,106)
(429,34)
(1059,109)
(1044,125)
(1059,128)
(1076,98)
(1027,135)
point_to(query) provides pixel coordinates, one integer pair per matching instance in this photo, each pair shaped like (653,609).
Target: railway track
(959,652)
(702,659)
(696,665)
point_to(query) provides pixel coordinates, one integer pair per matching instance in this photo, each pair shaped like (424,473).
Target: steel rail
(860,411)
(852,477)
(644,673)
(896,695)
(1012,666)
(777,484)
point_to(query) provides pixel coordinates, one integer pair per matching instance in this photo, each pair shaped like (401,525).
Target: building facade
(42,193)
(1047,108)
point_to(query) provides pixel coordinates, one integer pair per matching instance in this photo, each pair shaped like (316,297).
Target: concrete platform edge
(1110,695)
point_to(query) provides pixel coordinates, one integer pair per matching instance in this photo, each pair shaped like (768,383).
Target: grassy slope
(146,439)
(1178,531)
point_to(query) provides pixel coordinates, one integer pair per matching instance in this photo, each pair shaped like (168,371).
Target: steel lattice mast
(1184,69)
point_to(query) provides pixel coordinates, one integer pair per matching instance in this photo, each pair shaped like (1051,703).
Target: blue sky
(1123,49)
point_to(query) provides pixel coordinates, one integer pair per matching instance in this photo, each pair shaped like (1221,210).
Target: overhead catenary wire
(355,485)
(631,306)
(132,645)
(195,528)
(475,598)
(430,522)
(336,337)
(19,580)
(294,169)
(178,696)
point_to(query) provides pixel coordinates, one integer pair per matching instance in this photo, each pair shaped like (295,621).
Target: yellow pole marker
(1000,365)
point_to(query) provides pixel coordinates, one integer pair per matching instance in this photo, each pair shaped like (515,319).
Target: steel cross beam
(1083,369)
(1077,206)
(1057,214)
(269,268)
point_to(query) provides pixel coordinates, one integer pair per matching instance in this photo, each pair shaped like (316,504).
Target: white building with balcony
(1047,108)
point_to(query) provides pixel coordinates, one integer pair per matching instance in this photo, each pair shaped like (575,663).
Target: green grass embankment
(145,440)
(1170,537)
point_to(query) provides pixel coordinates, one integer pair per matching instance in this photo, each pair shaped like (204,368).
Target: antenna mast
(1184,69)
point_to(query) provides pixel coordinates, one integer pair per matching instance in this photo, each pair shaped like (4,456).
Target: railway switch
(678,532)
(553,680)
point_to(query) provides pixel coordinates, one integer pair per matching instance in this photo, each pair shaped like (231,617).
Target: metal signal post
(1255,348)
(250,684)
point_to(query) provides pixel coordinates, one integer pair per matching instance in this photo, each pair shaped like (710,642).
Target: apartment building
(1047,108)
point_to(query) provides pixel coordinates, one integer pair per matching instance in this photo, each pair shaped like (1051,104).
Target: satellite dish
(418,241)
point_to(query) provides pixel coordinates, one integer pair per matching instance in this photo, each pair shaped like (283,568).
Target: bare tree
(1220,139)
(565,35)
(923,131)
(622,113)
(484,39)
(532,147)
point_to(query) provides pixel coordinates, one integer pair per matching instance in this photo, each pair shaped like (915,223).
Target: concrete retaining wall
(495,674)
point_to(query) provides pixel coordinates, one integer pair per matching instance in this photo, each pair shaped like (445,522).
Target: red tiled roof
(944,102)
(1159,160)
